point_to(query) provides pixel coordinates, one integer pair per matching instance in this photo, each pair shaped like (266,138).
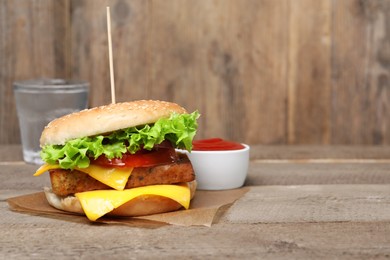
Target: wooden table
(303,202)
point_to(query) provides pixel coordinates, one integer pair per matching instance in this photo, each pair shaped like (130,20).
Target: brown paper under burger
(203,210)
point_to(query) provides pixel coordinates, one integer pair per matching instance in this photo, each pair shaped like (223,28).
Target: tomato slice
(142,158)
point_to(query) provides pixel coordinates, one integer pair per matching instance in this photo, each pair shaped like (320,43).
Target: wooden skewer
(110,56)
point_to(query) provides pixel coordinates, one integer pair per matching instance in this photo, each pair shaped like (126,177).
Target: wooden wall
(259,71)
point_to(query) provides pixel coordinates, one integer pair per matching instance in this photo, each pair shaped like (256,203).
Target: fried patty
(66,182)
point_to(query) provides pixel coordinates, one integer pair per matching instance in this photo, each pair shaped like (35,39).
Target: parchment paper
(203,210)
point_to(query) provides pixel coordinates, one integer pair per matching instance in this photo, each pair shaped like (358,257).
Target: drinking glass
(40,101)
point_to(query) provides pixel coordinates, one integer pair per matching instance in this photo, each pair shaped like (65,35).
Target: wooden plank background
(259,71)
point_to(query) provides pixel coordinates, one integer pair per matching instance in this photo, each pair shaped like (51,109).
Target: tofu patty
(66,182)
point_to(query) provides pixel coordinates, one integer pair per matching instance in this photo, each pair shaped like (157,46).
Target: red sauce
(216,144)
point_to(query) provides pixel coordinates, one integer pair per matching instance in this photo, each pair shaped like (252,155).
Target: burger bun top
(105,119)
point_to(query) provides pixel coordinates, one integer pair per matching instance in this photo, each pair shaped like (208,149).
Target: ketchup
(215,144)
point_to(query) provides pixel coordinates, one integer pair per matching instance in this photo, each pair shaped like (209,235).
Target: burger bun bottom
(139,206)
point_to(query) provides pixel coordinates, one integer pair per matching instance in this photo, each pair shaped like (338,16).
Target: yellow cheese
(45,168)
(116,178)
(100,202)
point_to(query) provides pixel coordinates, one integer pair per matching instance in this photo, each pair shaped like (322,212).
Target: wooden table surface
(304,202)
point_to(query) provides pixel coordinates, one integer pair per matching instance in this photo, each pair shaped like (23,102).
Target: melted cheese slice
(100,202)
(44,168)
(116,178)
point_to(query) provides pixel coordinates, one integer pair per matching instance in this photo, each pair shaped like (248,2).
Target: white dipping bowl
(220,170)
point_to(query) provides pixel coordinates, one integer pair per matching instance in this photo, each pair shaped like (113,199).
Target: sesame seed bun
(105,119)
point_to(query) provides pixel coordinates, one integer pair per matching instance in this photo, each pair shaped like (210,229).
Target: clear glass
(42,100)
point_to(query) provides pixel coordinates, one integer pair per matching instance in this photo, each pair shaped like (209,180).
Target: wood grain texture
(23,235)
(259,71)
(312,203)
(361,58)
(309,73)
(346,219)
(205,55)
(307,153)
(33,44)
(293,173)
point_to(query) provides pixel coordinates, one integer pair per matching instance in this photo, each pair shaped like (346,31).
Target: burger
(120,159)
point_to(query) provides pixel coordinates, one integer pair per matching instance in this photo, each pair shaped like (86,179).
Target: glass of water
(42,100)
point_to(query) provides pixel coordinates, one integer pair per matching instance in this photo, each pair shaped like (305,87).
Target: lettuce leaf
(179,129)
